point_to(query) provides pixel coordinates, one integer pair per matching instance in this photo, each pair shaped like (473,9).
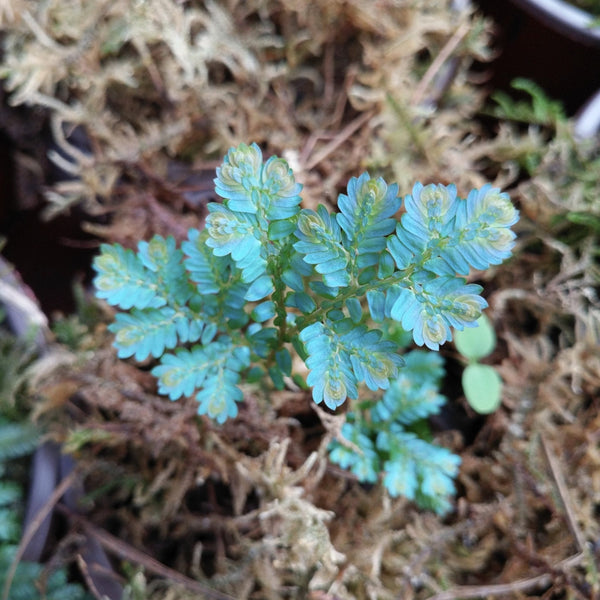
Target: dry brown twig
(338,140)
(39,518)
(439,61)
(502,589)
(127,552)
(564,494)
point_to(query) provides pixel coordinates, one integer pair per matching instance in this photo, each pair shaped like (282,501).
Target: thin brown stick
(28,534)
(83,568)
(564,494)
(501,589)
(127,552)
(439,60)
(338,140)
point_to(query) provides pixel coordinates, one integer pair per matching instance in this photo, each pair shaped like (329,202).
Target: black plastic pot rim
(565,18)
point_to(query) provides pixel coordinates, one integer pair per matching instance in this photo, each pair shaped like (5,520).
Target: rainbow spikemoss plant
(266,278)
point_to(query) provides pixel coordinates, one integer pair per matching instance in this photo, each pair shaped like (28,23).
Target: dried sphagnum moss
(154,80)
(336,87)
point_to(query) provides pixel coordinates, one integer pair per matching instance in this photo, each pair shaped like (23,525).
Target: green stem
(358,291)
(278,297)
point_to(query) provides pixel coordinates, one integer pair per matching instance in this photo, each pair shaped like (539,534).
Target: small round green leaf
(476,342)
(482,387)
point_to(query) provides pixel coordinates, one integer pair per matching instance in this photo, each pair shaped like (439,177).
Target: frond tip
(249,186)
(214,370)
(320,241)
(238,235)
(419,470)
(429,309)
(365,216)
(142,333)
(123,280)
(341,355)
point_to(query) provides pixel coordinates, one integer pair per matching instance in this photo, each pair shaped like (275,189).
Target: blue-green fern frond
(414,394)
(160,254)
(482,234)
(430,210)
(320,241)
(407,402)
(450,235)
(365,216)
(162,257)
(264,275)
(331,375)
(268,190)
(424,367)
(143,333)
(181,373)
(430,308)
(410,466)
(123,280)
(238,176)
(374,361)
(150,278)
(341,355)
(405,247)
(223,293)
(417,469)
(212,369)
(208,271)
(364,464)
(219,397)
(239,235)
(281,190)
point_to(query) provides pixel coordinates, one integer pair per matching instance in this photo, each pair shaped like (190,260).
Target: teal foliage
(29,581)
(321,245)
(265,276)
(215,367)
(341,355)
(366,217)
(16,439)
(19,438)
(385,432)
(32,582)
(257,197)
